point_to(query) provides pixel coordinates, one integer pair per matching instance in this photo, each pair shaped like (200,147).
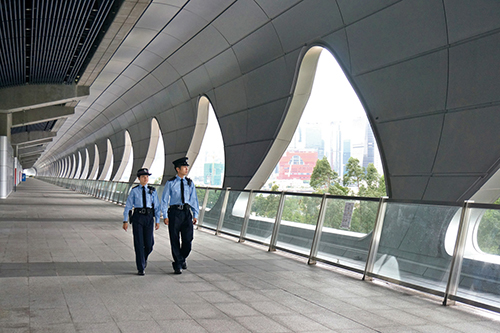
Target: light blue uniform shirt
(172,196)
(134,200)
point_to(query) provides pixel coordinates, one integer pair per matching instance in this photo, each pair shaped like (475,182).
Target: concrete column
(5,124)
(6,167)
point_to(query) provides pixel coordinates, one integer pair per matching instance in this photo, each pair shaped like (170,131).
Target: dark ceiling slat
(48,41)
(46,67)
(15,56)
(82,39)
(94,30)
(62,33)
(37,36)
(10,48)
(54,40)
(3,60)
(83,11)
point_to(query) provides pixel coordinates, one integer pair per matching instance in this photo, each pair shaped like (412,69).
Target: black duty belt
(180,207)
(144,211)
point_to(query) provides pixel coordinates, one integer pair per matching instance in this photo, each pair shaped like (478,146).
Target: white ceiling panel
(243,17)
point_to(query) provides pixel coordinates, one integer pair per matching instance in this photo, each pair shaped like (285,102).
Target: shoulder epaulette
(189,181)
(172,179)
(136,186)
(151,189)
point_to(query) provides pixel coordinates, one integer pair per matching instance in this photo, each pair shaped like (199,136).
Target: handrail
(274,228)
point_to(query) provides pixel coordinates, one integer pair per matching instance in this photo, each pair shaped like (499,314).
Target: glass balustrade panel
(235,213)
(298,223)
(480,272)
(213,210)
(347,232)
(262,216)
(412,245)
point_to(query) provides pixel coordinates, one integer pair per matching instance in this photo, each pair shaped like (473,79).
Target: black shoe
(177,270)
(141,273)
(184,265)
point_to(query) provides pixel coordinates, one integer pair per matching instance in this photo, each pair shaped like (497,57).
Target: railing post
(222,211)
(244,226)
(203,208)
(458,255)
(377,232)
(277,222)
(317,232)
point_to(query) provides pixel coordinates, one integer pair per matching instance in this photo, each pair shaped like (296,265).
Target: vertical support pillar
(5,124)
(203,208)
(458,255)
(377,232)
(317,232)
(277,222)
(244,226)
(223,211)
(6,167)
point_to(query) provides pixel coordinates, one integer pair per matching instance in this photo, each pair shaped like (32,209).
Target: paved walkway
(67,266)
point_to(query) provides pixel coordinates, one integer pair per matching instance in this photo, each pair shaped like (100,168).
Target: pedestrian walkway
(66,265)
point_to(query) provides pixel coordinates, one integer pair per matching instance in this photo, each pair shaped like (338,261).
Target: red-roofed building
(297,164)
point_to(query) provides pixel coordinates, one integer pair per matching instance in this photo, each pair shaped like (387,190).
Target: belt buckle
(143,211)
(180,207)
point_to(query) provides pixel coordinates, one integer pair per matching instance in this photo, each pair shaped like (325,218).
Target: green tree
(325,180)
(488,232)
(323,176)
(355,174)
(373,185)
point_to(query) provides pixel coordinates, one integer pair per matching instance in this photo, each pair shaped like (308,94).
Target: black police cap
(142,172)
(180,162)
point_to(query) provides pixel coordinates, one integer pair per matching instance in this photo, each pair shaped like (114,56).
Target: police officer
(144,200)
(180,209)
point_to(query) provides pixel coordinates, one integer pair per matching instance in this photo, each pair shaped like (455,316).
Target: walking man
(144,200)
(180,209)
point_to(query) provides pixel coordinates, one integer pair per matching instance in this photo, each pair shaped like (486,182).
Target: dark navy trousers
(143,228)
(180,228)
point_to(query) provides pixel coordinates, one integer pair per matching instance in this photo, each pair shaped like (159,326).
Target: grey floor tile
(299,323)
(236,309)
(182,326)
(203,311)
(63,271)
(222,325)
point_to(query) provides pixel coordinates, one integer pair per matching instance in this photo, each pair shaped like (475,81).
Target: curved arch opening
(125,170)
(67,167)
(73,166)
(95,166)
(326,125)
(107,168)
(79,166)
(157,149)
(85,171)
(206,151)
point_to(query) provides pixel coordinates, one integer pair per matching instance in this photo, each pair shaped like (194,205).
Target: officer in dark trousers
(180,209)
(144,200)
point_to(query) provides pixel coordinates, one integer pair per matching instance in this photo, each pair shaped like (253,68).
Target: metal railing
(428,246)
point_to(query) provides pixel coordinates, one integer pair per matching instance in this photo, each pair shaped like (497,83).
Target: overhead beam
(27,165)
(28,156)
(27,150)
(27,97)
(23,145)
(33,116)
(30,153)
(30,159)
(35,136)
